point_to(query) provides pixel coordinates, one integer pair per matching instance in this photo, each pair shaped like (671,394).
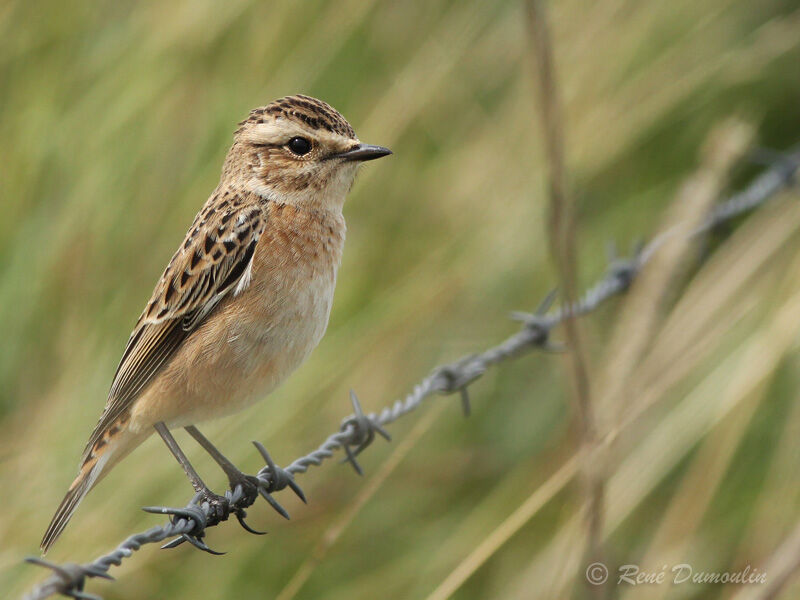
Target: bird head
(298,150)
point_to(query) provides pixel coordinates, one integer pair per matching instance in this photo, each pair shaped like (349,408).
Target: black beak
(364,152)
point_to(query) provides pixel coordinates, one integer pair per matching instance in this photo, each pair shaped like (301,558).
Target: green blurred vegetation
(114,120)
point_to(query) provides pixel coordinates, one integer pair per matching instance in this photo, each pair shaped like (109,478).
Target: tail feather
(112,446)
(79,488)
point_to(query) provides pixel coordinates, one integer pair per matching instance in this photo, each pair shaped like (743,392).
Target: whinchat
(246,297)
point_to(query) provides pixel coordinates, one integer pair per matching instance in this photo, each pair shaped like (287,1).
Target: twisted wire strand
(358,430)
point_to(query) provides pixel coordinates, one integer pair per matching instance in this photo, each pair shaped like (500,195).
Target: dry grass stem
(561,231)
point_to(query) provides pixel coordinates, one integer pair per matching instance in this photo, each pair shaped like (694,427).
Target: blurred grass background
(115,118)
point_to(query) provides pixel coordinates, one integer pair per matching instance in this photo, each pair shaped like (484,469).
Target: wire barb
(358,430)
(539,324)
(457,376)
(275,478)
(273,503)
(361,429)
(624,270)
(72,577)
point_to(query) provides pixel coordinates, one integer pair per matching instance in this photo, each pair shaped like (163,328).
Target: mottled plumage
(246,296)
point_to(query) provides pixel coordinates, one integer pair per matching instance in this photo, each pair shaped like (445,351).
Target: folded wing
(215,260)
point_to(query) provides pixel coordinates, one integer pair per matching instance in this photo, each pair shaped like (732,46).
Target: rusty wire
(358,430)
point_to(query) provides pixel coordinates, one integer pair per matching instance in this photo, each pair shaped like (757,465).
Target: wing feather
(213,261)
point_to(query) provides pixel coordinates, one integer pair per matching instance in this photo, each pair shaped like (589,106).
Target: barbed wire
(358,430)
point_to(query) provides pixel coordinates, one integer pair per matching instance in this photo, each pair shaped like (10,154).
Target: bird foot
(219,507)
(245,491)
(198,512)
(243,494)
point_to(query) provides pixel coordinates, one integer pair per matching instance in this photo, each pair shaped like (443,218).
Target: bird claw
(207,509)
(250,488)
(245,489)
(195,540)
(240,516)
(219,507)
(199,518)
(243,494)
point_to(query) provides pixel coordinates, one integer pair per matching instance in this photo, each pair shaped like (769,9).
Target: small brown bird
(246,297)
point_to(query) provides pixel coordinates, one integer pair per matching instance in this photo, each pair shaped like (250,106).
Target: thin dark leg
(197,483)
(234,475)
(218,505)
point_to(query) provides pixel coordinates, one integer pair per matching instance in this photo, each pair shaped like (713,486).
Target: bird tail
(111,447)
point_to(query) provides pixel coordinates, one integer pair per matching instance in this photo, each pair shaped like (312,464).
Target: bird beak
(364,152)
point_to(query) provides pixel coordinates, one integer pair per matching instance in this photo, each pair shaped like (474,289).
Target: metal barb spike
(173,543)
(35,560)
(265,455)
(351,458)
(465,405)
(547,302)
(158,510)
(273,503)
(380,430)
(95,571)
(296,489)
(192,513)
(356,404)
(522,317)
(363,429)
(279,475)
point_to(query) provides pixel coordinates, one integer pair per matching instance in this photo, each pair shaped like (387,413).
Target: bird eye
(299,145)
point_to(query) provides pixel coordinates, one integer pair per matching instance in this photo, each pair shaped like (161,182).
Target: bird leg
(219,505)
(235,476)
(251,486)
